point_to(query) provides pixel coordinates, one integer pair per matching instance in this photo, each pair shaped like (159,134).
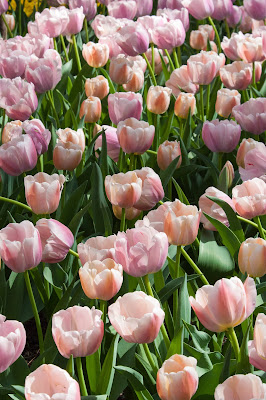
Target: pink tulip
(252,257)
(246,21)
(155,218)
(133,39)
(12,130)
(56,240)
(249,198)
(222,9)
(77,331)
(137,317)
(158,67)
(97,87)
(181,223)
(230,46)
(66,156)
(177,379)
(105,25)
(245,146)
(51,22)
(255,164)
(136,82)
(41,137)
(203,67)
(101,279)
(168,152)
(20,246)
(89,7)
(113,146)
(199,9)
(208,29)
(221,136)
(91,108)
(13,64)
(171,34)
(69,135)
(251,115)
(209,207)
(111,41)
(226,304)
(180,79)
(158,99)
(95,54)
(124,105)
(123,190)
(122,9)
(3,6)
(255,8)
(238,75)
(12,342)
(184,103)
(234,18)
(226,100)
(18,155)
(49,382)
(246,387)
(175,14)
(151,22)
(144,7)
(75,23)
(18,98)
(172,4)
(97,248)
(198,40)
(250,49)
(43,192)
(257,347)
(130,213)
(135,136)
(121,69)
(152,189)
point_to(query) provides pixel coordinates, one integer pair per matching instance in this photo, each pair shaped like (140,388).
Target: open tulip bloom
(132,200)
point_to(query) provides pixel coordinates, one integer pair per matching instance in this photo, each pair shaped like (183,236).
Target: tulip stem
(177,272)
(82,383)
(120,160)
(85,24)
(151,152)
(194,266)
(260,228)
(208,100)
(51,100)
(17,203)
(179,56)
(216,34)
(250,223)
(152,58)
(19,18)
(233,340)
(150,69)
(76,52)
(3,122)
(170,190)
(254,76)
(123,220)
(35,312)
(227,29)
(64,47)
(149,357)
(175,58)
(7,26)
(148,285)
(170,60)
(70,366)
(73,253)
(202,102)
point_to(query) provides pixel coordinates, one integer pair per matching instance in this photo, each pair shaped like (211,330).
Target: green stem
(165,336)
(51,100)
(76,52)
(85,25)
(177,273)
(177,65)
(194,266)
(220,161)
(103,308)
(152,58)
(64,47)
(123,220)
(202,103)
(254,76)
(228,34)
(55,44)
(82,383)
(7,26)
(181,127)
(151,152)
(70,366)
(170,60)
(150,69)
(208,100)
(216,34)
(3,123)
(35,312)
(179,56)
(149,357)
(148,285)
(260,228)
(170,190)
(156,140)
(73,253)
(250,222)
(17,203)
(132,162)
(120,160)
(233,340)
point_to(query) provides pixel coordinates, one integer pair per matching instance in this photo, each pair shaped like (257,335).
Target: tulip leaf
(136,381)
(106,377)
(172,286)
(92,397)
(146,365)
(200,339)
(103,161)
(181,195)
(164,66)
(55,275)
(106,75)
(243,365)
(226,367)
(168,173)
(93,366)
(186,137)
(184,307)
(73,204)
(176,346)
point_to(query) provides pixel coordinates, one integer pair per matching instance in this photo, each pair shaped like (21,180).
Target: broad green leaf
(176,346)
(186,137)
(93,397)
(243,365)
(172,286)
(106,75)
(168,173)
(184,307)
(136,381)
(181,195)
(200,339)
(73,204)
(106,377)
(93,366)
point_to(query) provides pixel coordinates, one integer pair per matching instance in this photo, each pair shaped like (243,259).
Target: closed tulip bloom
(226,304)
(230,173)
(89,7)
(12,342)
(181,223)
(66,156)
(246,21)
(203,67)
(246,387)
(105,25)
(251,49)
(77,331)
(135,136)
(168,152)
(184,103)
(198,40)
(113,146)
(18,98)
(179,79)
(121,69)
(152,189)
(171,34)
(256,9)
(12,130)
(158,99)
(75,22)
(230,46)
(130,213)
(95,54)
(175,14)
(69,135)
(3,6)
(252,257)
(122,9)
(133,39)
(124,105)
(123,190)
(238,75)
(177,379)
(214,210)
(155,218)
(144,8)
(136,82)
(172,4)
(158,67)
(97,248)
(41,137)
(43,192)
(208,29)
(257,347)
(222,9)
(199,9)
(221,136)
(245,146)
(97,87)
(111,41)
(235,17)
(255,163)
(18,155)
(226,100)
(56,240)
(137,317)
(20,246)
(251,115)
(101,279)
(249,198)
(13,64)
(51,22)
(91,108)
(150,22)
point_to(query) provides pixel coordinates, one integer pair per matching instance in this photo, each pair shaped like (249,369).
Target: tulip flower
(158,99)
(41,137)
(14,64)
(101,279)
(136,82)
(203,67)
(230,173)
(97,248)
(257,347)
(122,9)
(167,152)
(105,25)
(230,45)
(255,8)
(182,14)
(77,331)
(12,130)
(177,379)
(226,100)
(49,382)
(249,198)
(135,136)
(66,156)
(184,103)
(130,213)
(152,189)
(250,49)
(89,7)
(158,67)
(252,257)
(155,218)
(198,40)
(171,34)
(51,22)
(113,146)
(43,192)
(133,39)
(179,79)
(246,146)
(97,87)
(121,69)
(95,54)
(12,341)
(255,164)
(56,240)
(123,190)
(20,246)
(222,9)
(124,105)
(172,4)
(137,317)
(226,304)
(235,17)
(68,135)
(92,109)
(144,8)
(3,6)
(238,75)
(199,9)
(150,22)
(251,115)
(208,29)
(221,136)
(246,387)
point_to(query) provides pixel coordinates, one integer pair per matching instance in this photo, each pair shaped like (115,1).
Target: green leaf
(165,68)
(184,307)
(200,339)
(225,373)
(73,204)
(171,287)
(181,195)
(136,381)
(55,275)
(187,131)
(176,346)
(111,85)
(106,377)
(243,365)
(168,173)
(92,397)
(93,366)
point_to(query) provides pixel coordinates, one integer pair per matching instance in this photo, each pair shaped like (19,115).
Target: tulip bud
(152,189)
(66,156)
(135,136)
(167,152)
(257,347)
(95,54)
(67,135)
(249,118)
(226,100)
(121,69)
(209,30)
(252,257)
(180,79)
(122,9)
(97,87)
(228,172)
(158,99)
(221,136)
(123,190)
(10,21)
(91,108)
(184,103)
(198,40)
(136,82)
(124,105)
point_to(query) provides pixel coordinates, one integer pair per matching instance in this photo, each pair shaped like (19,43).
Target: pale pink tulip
(12,130)
(222,9)
(66,156)
(111,41)
(144,7)
(3,6)
(121,69)
(184,103)
(89,7)
(137,317)
(177,379)
(155,218)
(255,8)
(75,21)
(203,67)
(246,21)
(43,192)
(221,136)
(198,40)
(152,189)
(208,29)
(41,137)
(122,9)
(69,135)
(251,49)
(13,64)
(135,136)
(97,248)
(249,198)
(95,54)
(92,109)
(124,105)
(255,163)
(20,246)
(168,152)
(180,79)
(158,99)
(51,22)
(172,4)
(123,190)
(251,115)
(158,67)
(97,87)
(238,75)
(252,257)
(136,82)
(246,387)
(133,39)
(171,34)
(226,100)
(245,146)
(234,18)
(12,342)
(151,22)
(175,14)
(230,45)
(105,25)
(199,9)
(257,347)
(130,213)
(112,143)
(226,304)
